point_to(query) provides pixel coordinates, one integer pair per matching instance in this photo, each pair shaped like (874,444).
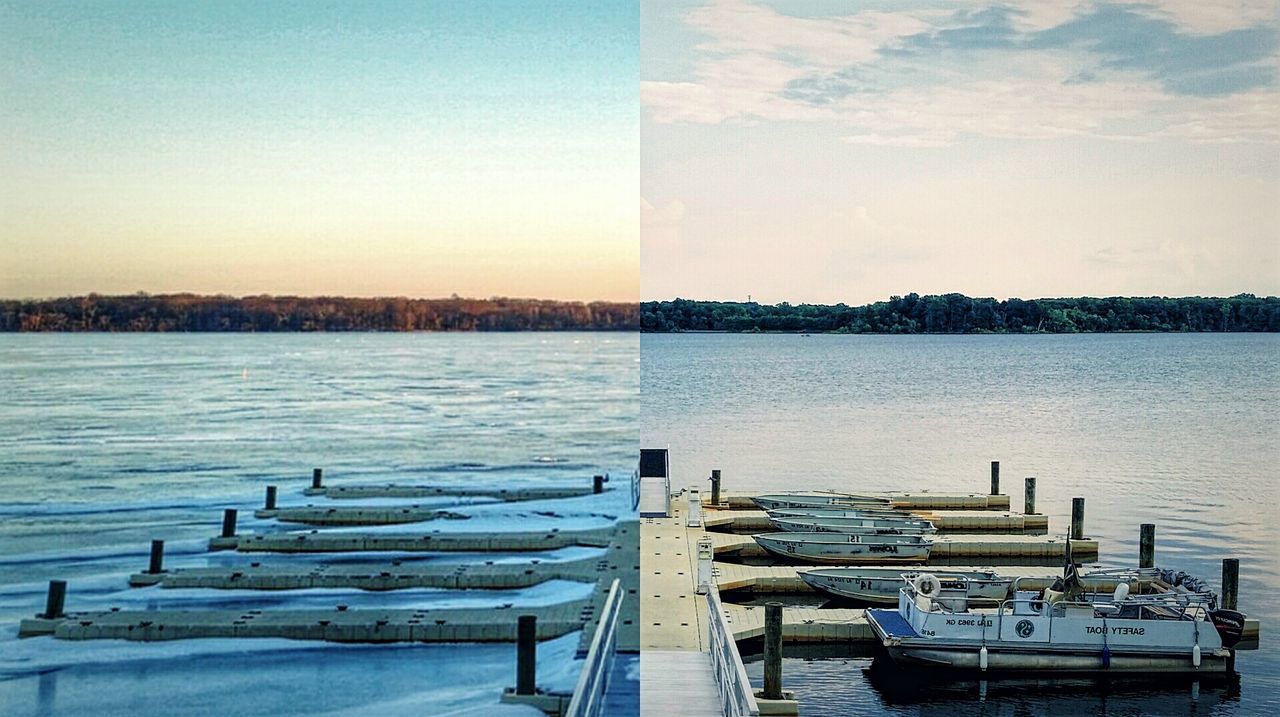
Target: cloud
(661,228)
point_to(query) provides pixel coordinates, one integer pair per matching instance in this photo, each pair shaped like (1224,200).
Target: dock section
(432,541)
(954,521)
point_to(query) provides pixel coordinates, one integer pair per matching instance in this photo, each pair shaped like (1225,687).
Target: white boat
(1058,631)
(819,500)
(881,584)
(839,548)
(827,511)
(875,526)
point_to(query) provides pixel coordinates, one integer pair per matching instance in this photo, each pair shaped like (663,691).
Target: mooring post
(271,498)
(157,558)
(1077,518)
(527,655)
(56,600)
(1230,583)
(772,651)
(1147,546)
(1029,497)
(229,523)
(995,477)
(317,477)
(715,487)
(597,484)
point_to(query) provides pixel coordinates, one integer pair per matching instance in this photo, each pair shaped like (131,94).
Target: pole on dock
(1230,598)
(597,484)
(157,558)
(1077,518)
(1147,546)
(1029,497)
(527,655)
(271,498)
(229,523)
(317,477)
(995,477)
(772,651)
(706,556)
(56,600)
(715,487)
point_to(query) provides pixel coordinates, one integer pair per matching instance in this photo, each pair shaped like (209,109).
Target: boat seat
(1106,610)
(892,622)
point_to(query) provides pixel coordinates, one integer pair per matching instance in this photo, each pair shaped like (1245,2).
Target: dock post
(157,558)
(271,498)
(1029,497)
(317,477)
(995,477)
(772,651)
(1230,599)
(706,553)
(229,523)
(1147,546)
(1077,518)
(527,655)
(56,600)
(715,487)
(597,484)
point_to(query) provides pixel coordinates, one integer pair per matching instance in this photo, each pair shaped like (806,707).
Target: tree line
(960,314)
(191,312)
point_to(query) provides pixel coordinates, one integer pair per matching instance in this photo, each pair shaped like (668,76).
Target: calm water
(108,441)
(1177,430)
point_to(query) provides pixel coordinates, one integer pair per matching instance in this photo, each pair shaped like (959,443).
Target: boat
(1060,629)
(881,584)
(820,500)
(874,526)
(827,511)
(840,548)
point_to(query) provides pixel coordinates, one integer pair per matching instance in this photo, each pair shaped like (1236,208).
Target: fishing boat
(840,548)
(1064,628)
(880,584)
(874,526)
(827,511)
(820,500)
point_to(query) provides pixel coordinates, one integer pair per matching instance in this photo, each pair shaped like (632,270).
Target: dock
(421,541)
(958,521)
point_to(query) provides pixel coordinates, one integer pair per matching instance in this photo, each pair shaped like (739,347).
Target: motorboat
(841,548)
(1063,628)
(879,584)
(820,500)
(828,511)
(876,526)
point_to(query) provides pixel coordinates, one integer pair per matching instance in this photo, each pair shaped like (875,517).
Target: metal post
(56,600)
(271,498)
(1230,583)
(597,484)
(772,651)
(1029,499)
(995,477)
(706,554)
(1077,518)
(1147,545)
(527,655)
(157,558)
(317,476)
(715,487)
(229,523)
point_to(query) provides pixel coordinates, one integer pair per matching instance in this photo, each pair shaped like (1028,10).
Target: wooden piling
(995,477)
(772,651)
(1077,518)
(715,487)
(527,655)
(597,484)
(56,599)
(317,477)
(156,565)
(1230,583)
(1029,497)
(1147,546)
(229,523)
(271,498)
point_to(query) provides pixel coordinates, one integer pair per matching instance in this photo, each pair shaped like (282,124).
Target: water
(109,441)
(1176,430)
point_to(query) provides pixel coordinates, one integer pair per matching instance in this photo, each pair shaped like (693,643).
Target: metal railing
(635,489)
(737,698)
(588,694)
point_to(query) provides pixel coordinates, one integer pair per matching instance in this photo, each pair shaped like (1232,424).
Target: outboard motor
(1229,624)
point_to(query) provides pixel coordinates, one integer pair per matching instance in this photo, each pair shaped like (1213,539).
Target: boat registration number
(970,622)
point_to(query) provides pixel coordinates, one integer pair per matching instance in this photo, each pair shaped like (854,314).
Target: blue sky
(1021,149)
(482,148)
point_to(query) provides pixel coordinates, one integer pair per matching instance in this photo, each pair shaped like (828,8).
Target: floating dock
(432,541)
(957,521)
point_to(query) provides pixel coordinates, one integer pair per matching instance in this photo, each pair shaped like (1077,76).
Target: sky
(814,151)
(482,148)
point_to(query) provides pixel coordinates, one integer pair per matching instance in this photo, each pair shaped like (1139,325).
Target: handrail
(737,698)
(635,489)
(588,694)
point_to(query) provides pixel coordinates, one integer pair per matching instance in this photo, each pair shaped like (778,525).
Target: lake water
(109,441)
(1176,430)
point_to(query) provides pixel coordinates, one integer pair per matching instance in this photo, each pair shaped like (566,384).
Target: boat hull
(1050,660)
(858,526)
(782,501)
(880,586)
(795,546)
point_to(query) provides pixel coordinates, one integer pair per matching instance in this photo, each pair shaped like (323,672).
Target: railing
(737,699)
(588,694)
(635,489)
